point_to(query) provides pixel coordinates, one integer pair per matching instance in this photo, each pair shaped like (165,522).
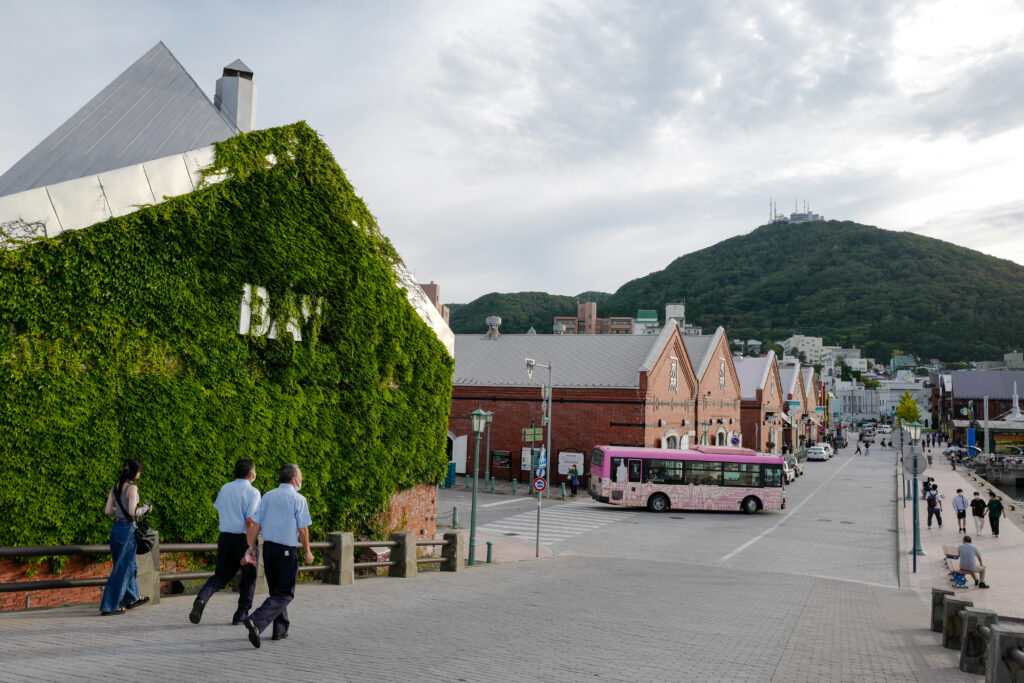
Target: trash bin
(449,480)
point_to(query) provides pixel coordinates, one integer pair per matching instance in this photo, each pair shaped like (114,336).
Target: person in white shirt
(933,501)
(960,505)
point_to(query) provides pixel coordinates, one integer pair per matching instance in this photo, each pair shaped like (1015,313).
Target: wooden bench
(956,575)
(951,551)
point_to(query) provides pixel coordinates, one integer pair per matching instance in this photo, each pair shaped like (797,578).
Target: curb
(903,550)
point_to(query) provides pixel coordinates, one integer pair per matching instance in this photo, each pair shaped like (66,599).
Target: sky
(573,146)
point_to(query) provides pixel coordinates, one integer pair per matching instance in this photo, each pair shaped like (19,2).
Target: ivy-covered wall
(122,340)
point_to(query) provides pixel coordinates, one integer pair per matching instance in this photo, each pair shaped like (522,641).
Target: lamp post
(546,421)
(478,419)
(487,462)
(914,431)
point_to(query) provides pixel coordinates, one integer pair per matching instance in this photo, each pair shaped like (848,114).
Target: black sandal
(138,603)
(119,610)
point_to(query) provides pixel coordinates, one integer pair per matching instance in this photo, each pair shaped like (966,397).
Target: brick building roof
(996,384)
(753,372)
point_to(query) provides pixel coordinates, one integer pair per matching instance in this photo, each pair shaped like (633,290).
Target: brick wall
(410,510)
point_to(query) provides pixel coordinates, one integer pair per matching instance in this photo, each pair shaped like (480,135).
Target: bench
(956,575)
(951,551)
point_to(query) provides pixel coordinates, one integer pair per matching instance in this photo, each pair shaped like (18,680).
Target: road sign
(539,484)
(735,441)
(533,434)
(908,463)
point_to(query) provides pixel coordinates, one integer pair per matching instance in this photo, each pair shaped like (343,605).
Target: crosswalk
(557,523)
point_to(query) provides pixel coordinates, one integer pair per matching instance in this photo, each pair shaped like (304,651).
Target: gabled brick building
(717,416)
(635,390)
(761,402)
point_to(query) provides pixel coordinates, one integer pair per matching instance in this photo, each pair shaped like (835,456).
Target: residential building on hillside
(646,322)
(811,347)
(587,322)
(901,361)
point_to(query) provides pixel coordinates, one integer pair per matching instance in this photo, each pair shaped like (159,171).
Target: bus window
(664,471)
(634,470)
(618,469)
(741,474)
(703,473)
(596,458)
(773,476)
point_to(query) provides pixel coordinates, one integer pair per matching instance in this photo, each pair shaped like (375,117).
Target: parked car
(827,447)
(841,442)
(797,466)
(885,429)
(788,472)
(817,453)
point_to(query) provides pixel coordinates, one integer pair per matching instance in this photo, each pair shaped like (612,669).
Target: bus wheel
(658,503)
(749,505)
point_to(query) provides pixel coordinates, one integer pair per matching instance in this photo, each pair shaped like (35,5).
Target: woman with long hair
(122,588)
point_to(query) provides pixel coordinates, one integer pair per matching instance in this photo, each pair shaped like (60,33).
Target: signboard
(820,409)
(526,459)
(539,484)
(794,404)
(735,441)
(533,434)
(566,459)
(972,439)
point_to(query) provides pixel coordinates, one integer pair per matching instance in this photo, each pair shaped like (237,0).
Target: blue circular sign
(735,441)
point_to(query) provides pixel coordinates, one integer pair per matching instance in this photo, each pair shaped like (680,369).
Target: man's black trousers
(281,566)
(230,549)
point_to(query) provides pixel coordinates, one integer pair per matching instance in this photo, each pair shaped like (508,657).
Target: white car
(788,472)
(885,429)
(827,447)
(818,453)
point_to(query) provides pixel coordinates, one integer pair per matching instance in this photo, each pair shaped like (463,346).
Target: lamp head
(489,417)
(529,367)
(478,420)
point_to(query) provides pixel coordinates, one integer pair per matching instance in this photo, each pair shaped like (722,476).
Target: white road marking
(503,502)
(782,521)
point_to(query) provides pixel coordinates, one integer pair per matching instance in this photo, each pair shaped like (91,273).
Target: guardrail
(989,645)
(338,569)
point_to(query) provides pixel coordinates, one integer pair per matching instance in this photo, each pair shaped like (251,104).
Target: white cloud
(568,146)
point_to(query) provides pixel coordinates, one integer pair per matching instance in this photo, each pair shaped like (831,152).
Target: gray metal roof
(790,377)
(996,384)
(752,373)
(699,348)
(610,361)
(239,65)
(152,110)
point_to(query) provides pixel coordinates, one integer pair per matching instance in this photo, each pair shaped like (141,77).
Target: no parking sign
(539,484)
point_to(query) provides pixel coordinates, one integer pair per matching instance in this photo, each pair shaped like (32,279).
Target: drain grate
(846,522)
(677,518)
(892,530)
(511,533)
(824,520)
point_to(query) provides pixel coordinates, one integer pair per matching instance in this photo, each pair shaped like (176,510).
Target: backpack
(931,499)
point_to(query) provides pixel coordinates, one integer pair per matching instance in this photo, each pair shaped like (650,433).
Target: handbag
(145,537)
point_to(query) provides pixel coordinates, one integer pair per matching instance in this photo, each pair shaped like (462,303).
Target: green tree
(907,410)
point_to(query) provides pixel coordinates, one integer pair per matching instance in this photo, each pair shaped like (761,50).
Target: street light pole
(487,462)
(478,419)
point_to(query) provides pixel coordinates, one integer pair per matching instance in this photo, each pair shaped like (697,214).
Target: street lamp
(914,432)
(487,462)
(478,419)
(546,421)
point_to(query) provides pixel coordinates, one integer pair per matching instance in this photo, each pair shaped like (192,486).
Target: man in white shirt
(971,563)
(933,501)
(960,505)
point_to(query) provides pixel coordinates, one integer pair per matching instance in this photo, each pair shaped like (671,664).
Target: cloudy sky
(568,146)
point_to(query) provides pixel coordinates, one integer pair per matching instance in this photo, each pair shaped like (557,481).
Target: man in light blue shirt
(236,505)
(283,517)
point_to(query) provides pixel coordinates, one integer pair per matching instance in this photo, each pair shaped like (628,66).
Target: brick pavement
(565,619)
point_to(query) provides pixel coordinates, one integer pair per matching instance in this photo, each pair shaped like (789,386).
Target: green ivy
(121,340)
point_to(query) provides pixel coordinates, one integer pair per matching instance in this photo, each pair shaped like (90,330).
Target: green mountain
(519,311)
(846,282)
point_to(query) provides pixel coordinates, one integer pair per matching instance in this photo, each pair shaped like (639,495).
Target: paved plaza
(809,593)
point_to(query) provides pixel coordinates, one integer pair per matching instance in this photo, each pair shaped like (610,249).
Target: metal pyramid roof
(239,65)
(153,109)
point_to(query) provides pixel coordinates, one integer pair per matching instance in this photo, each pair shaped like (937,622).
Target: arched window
(722,438)
(672,441)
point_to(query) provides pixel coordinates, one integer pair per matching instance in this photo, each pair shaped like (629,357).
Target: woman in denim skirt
(122,588)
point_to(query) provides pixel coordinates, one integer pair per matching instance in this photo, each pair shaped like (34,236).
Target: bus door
(633,493)
(618,474)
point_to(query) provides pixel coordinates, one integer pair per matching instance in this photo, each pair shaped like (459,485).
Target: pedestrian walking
(283,517)
(574,478)
(933,499)
(867,449)
(978,510)
(995,511)
(960,505)
(236,506)
(970,562)
(122,588)
(858,451)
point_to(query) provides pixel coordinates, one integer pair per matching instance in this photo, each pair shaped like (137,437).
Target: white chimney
(493,322)
(235,96)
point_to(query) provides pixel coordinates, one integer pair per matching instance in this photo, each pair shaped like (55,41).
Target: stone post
(999,668)
(403,555)
(342,556)
(452,552)
(974,646)
(937,595)
(149,573)
(952,624)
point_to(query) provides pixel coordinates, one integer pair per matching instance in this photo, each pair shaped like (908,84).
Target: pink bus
(701,478)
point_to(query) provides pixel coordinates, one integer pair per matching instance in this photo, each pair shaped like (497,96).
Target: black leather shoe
(197,611)
(279,636)
(239,619)
(254,635)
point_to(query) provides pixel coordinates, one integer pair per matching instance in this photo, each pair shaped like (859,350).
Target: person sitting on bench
(971,563)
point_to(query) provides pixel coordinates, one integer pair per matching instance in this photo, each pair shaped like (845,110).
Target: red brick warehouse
(635,390)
